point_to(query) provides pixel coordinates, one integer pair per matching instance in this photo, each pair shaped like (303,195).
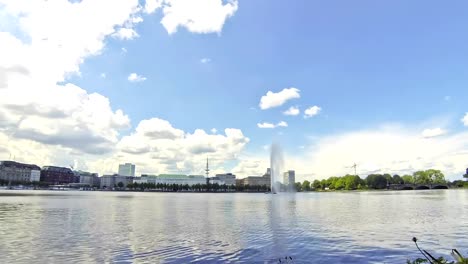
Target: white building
(227,178)
(112,181)
(178,179)
(91,179)
(127,169)
(12,171)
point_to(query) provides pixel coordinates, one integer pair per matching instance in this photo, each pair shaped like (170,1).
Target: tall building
(11,171)
(91,179)
(58,175)
(226,178)
(127,169)
(289,178)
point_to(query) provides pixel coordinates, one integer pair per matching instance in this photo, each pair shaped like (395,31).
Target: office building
(289,179)
(11,171)
(127,169)
(226,178)
(87,178)
(58,175)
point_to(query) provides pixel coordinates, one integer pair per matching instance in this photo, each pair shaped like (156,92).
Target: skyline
(165,84)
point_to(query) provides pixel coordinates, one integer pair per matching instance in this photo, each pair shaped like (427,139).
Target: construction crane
(355,168)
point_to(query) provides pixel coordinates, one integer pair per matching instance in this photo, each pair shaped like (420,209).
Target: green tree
(397,179)
(421,177)
(352,182)
(306,186)
(323,184)
(436,176)
(376,181)
(389,178)
(407,179)
(298,187)
(120,185)
(318,184)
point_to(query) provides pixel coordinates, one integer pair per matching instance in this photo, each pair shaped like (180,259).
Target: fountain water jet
(276,166)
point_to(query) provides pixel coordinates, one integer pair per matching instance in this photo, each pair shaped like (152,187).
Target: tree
(436,176)
(120,184)
(339,183)
(389,178)
(397,179)
(421,177)
(407,179)
(352,182)
(306,186)
(319,184)
(376,181)
(298,187)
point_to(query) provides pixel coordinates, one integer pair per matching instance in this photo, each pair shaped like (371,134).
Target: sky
(164,84)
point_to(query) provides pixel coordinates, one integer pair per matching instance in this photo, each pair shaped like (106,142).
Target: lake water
(125,227)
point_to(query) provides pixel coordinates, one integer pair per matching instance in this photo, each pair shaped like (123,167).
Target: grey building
(127,169)
(12,171)
(91,179)
(289,178)
(226,178)
(111,181)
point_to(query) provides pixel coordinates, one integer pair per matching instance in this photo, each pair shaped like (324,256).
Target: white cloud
(124,50)
(205,60)
(133,77)
(126,33)
(272,99)
(152,5)
(393,149)
(282,124)
(214,130)
(48,121)
(103,75)
(312,111)
(465,119)
(270,125)
(265,125)
(435,132)
(159,147)
(292,111)
(202,16)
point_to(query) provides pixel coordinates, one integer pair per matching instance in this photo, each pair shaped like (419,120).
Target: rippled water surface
(113,227)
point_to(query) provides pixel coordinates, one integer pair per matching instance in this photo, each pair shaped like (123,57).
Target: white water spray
(276,166)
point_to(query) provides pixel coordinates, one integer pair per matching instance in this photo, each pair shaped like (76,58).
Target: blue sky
(368,65)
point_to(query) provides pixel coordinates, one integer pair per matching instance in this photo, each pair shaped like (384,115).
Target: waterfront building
(289,178)
(258,180)
(58,175)
(107,181)
(179,179)
(226,178)
(12,171)
(112,181)
(240,182)
(127,169)
(87,178)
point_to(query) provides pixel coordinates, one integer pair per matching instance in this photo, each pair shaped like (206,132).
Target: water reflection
(360,227)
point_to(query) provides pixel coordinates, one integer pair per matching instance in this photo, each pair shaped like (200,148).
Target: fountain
(276,166)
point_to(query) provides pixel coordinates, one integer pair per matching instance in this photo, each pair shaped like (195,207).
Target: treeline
(376,181)
(215,187)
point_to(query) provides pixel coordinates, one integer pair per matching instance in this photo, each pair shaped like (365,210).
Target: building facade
(179,179)
(258,180)
(87,178)
(127,169)
(58,175)
(289,177)
(11,171)
(227,178)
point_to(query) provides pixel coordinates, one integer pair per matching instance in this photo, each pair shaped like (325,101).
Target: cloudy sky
(166,83)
